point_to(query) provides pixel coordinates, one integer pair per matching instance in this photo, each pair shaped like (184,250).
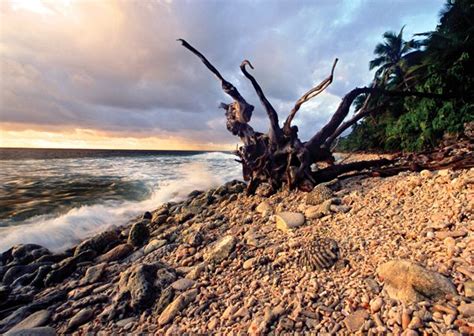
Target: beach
(363,255)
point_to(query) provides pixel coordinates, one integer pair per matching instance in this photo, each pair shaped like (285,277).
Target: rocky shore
(359,256)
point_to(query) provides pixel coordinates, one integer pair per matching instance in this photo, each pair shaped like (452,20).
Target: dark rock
(147,215)
(98,243)
(66,267)
(6,257)
(161,219)
(39,331)
(41,274)
(83,316)
(93,274)
(164,277)
(166,298)
(15,272)
(24,280)
(195,193)
(184,216)
(137,283)
(194,238)
(24,254)
(55,258)
(37,319)
(37,304)
(117,253)
(4,292)
(139,234)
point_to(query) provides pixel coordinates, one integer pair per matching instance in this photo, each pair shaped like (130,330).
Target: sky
(110,74)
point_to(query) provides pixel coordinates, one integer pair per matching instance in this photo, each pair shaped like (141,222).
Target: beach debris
(317,254)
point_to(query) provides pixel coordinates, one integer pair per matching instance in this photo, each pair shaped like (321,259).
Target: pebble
(286,221)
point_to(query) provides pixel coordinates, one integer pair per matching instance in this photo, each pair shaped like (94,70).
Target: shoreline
(327,261)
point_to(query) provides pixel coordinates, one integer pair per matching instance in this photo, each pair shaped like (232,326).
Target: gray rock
(183,284)
(154,245)
(176,306)
(286,221)
(83,316)
(38,319)
(139,234)
(165,299)
(138,282)
(40,331)
(93,274)
(222,249)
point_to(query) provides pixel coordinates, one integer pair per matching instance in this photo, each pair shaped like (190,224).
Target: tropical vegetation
(442,62)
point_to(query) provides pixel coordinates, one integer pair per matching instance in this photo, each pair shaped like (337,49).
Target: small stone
(410,332)
(469,289)
(426,174)
(454,234)
(117,253)
(318,211)
(251,263)
(154,245)
(38,319)
(222,249)
(183,284)
(147,215)
(355,320)
(286,221)
(376,304)
(466,309)
(176,306)
(139,234)
(264,208)
(415,323)
(83,316)
(93,274)
(196,271)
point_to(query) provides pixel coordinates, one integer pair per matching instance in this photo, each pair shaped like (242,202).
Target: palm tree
(394,56)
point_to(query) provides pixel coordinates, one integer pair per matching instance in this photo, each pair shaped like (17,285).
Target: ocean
(57,197)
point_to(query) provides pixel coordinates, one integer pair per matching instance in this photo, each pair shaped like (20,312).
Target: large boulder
(409,282)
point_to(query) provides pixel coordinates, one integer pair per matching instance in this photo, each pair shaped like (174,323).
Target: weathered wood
(279,158)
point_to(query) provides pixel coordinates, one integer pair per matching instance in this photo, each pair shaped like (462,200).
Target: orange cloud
(88,138)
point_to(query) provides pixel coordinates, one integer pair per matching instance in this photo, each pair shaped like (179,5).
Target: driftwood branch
(307,96)
(278,158)
(275,133)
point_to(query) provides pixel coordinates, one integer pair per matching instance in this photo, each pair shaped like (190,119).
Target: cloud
(114,66)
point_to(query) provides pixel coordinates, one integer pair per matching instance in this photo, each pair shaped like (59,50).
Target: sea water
(57,197)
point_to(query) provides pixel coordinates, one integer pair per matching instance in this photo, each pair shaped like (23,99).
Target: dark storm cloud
(115,66)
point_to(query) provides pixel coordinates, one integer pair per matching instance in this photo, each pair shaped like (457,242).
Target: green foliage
(445,66)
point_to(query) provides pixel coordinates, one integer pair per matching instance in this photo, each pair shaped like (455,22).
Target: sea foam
(64,231)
